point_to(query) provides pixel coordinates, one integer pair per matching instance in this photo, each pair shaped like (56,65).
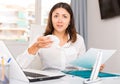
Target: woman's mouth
(59,26)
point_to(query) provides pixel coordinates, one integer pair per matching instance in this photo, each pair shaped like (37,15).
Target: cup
(4,74)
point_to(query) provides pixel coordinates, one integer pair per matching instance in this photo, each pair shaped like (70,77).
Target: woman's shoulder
(79,40)
(79,37)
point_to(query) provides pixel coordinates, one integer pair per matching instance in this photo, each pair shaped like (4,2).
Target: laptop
(27,75)
(36,75)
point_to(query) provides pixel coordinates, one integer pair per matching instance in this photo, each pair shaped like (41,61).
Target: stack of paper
(88,59)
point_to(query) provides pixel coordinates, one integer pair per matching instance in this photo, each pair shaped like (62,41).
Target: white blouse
(55,56)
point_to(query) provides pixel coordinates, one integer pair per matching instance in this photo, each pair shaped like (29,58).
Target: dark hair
(71,30)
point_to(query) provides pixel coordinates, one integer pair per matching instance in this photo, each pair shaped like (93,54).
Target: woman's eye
(55,16)
(65,16)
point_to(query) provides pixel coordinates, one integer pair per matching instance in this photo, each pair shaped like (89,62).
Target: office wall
(103,33)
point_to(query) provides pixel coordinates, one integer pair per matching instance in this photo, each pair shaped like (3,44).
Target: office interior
(102,34)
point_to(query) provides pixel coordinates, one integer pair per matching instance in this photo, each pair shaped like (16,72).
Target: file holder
(98,80)
(94,75)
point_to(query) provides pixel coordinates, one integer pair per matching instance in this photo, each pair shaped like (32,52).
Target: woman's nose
(60,19)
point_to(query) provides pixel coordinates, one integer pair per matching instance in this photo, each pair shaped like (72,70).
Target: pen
(9,60)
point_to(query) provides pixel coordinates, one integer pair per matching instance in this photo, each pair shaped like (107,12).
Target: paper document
(88,59)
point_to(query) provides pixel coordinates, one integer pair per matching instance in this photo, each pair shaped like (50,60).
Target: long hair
(71,30)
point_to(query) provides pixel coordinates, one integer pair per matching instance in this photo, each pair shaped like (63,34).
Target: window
(15,19)
(16,16)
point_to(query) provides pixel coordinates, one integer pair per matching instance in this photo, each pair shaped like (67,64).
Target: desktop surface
(68,79)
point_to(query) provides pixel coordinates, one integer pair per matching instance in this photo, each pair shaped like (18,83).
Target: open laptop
(16,72)
(36,75)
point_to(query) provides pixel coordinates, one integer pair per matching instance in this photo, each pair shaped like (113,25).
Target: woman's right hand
(42,42)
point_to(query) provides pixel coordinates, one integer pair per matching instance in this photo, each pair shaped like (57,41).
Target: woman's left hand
(102,67)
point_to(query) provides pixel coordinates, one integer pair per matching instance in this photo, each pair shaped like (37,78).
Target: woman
(70,45)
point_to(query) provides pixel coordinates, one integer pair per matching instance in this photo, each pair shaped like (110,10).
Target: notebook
(26,75)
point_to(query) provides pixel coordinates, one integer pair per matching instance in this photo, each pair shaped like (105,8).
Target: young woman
(69,46)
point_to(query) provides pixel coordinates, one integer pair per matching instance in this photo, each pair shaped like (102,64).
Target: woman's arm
(42,42)
(28,56)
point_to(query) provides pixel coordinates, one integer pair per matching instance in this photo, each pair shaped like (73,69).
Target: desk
(70,80)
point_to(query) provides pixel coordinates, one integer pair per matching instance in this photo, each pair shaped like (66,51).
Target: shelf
(14,29)
(14,34)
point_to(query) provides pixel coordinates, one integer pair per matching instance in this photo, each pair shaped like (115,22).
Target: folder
(88,59)
(87,73)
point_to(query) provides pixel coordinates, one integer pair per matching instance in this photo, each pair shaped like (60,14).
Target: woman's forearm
(33,49)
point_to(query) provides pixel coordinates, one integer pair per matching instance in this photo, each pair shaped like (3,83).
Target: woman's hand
(102,67)
(42,42)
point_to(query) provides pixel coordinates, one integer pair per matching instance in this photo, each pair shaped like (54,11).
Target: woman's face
(60,20)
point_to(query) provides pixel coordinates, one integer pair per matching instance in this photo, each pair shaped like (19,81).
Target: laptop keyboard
(31,74)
